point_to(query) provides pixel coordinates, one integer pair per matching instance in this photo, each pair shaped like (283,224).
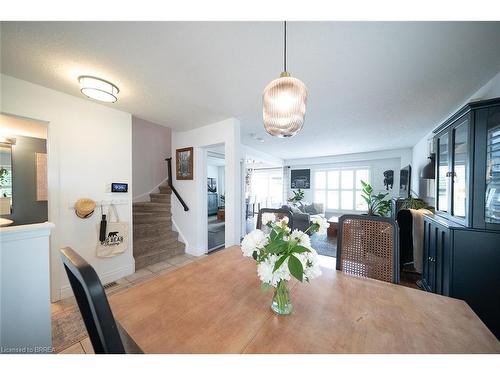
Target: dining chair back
(368,246)
(106,335)
(279,213)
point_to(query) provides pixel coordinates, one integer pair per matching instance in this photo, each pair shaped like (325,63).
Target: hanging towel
(418,237)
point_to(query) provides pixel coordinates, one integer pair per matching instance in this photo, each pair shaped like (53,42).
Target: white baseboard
(180,236)
(108,277)
(146,195)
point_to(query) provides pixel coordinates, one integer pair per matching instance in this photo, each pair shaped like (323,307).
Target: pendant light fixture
(284,103)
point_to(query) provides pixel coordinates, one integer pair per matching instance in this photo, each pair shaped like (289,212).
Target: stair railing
(169,169)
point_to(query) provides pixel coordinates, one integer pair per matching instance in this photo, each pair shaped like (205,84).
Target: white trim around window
(339,189)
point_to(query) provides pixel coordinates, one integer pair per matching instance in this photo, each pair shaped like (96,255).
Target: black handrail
(169,169)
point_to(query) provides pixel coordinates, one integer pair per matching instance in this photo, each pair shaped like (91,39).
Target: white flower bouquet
(282,254)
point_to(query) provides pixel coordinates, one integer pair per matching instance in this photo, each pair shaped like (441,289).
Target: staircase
(154,239)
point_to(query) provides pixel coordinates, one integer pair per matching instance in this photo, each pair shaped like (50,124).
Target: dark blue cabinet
(463,263)
(462,240)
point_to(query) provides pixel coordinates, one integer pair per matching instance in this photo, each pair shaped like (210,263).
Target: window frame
(326,188)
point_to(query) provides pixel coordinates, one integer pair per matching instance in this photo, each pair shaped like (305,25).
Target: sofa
(303,213)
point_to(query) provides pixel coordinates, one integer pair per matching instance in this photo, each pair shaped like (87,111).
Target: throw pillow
(310,209)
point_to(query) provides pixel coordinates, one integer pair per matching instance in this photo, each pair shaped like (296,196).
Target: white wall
(212,172)
(25,322)
(377,162)
(221,180)
(151,145)
(262,157)
(420,151)
(89,146)
(422,187)
(192,225)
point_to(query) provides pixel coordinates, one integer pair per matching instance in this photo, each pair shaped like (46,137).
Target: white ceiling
(372,85)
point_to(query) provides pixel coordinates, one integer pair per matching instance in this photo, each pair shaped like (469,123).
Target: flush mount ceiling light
(284,103)
(98,89)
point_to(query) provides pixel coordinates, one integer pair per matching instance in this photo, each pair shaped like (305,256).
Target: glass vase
(281,300)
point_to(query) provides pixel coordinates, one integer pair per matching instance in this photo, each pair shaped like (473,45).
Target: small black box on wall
(119,187)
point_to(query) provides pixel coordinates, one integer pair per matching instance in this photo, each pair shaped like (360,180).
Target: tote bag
(116,241)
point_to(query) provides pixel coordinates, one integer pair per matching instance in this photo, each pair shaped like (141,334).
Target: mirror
(5,176)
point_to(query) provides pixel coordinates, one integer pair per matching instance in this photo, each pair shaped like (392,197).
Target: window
(340,189)
(267,186)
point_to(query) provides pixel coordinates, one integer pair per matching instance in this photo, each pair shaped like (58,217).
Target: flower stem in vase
(281,301)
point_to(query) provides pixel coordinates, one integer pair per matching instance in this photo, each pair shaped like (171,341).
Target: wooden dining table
(215,305)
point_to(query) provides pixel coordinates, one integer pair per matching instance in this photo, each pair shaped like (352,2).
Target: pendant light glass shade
(284,106)
(284,102)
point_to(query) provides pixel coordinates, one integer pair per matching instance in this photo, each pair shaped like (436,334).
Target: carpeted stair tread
(154,239)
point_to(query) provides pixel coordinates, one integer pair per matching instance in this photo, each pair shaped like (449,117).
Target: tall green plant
(298,195)
(377,204)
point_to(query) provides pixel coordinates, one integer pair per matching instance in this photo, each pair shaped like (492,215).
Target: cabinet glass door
(460,165)
(492,197)
(443,188)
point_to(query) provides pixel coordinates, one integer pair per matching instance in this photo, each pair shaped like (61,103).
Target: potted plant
(377,204)
(298,195)
(413,203)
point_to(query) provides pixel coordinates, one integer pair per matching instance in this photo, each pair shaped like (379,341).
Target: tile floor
(152,271)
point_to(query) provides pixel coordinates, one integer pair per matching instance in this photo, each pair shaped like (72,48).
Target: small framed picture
(300,179)
(184,163)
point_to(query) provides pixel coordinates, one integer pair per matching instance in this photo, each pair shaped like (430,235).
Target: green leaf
(264,287)
(295,267)
(300,249)
(313,228)
(279,262)
(276,246)
(254,255)
(273,234)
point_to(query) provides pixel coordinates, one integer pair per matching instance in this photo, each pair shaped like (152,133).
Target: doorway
(215,167)
(23,170)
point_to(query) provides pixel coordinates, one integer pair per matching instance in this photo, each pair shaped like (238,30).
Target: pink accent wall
(151,144)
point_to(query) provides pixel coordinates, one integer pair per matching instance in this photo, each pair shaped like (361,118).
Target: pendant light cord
(284,49)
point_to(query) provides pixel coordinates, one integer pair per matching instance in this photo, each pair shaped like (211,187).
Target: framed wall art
(184,163)
(300,178)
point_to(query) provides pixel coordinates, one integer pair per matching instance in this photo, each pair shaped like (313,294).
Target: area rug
(67,328)
(324,245)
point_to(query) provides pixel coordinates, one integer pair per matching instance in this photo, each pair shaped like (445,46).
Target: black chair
(106,335)
(278,212)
